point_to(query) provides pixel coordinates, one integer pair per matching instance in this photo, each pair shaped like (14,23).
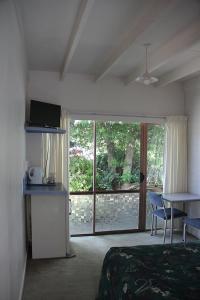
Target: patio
(113,212)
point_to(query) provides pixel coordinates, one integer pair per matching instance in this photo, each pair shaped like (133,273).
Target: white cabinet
(48,220)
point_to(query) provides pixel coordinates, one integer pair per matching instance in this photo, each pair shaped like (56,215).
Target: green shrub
(80,174)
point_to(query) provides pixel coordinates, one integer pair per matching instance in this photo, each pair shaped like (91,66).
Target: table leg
(172,221)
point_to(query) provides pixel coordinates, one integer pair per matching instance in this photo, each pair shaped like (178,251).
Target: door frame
(143,170)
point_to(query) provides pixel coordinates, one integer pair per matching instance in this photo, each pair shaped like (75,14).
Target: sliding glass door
(81,158)
(155,164)
(108,168)
(117,184)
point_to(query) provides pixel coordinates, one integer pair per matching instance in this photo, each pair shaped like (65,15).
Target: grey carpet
(78,278)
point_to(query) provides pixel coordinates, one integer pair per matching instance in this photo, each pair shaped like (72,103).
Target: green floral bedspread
(151,272)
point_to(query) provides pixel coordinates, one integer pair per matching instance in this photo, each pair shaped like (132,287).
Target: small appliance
(35,175)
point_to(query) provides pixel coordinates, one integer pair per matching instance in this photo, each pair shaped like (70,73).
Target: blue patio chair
(160,211)
(195,222)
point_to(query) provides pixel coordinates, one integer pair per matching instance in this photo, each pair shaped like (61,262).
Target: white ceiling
(105,37)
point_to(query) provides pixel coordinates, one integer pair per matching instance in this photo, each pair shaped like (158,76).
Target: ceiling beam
(142,23)
(180,42)
(79,24)
(189,69)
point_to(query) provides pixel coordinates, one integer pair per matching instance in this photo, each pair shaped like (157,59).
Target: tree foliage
(117,155)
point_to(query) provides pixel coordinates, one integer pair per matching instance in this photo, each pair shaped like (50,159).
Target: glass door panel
(118,174)
(81,218)
(155,160)
(116,212)
(81,157)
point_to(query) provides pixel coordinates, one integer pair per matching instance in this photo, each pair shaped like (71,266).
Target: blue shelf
(31,129)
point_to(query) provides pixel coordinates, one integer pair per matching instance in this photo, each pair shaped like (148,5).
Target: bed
(151,272)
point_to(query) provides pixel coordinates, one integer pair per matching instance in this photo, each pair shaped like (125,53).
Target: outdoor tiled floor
(114,212)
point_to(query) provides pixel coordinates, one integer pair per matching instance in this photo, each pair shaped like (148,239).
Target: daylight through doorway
(111,164)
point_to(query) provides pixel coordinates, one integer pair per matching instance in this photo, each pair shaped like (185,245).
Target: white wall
(12,153)
(192,108)
(79,93)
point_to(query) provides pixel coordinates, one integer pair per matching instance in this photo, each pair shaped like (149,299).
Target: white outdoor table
(178,198)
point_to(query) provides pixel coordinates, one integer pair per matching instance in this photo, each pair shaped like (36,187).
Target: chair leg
(165,227)
(184,233)
(152,224)
(172,224)
(156,225)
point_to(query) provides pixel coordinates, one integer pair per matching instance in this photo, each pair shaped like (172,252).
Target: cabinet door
(48,215)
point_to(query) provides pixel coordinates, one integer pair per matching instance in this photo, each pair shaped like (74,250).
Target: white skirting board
(23,279)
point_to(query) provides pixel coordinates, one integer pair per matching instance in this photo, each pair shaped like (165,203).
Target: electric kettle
(35,175)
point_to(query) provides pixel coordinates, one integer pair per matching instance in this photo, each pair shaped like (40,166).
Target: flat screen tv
(44,114)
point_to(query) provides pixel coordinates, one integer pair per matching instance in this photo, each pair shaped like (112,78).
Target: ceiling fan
(146,77)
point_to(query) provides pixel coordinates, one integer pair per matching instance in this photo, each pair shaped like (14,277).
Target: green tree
(119,142)
(117,155)
(81,164)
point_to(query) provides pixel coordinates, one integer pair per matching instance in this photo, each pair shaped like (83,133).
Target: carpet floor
(77,278)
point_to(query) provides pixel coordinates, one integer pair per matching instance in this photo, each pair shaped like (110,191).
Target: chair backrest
(156,199)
